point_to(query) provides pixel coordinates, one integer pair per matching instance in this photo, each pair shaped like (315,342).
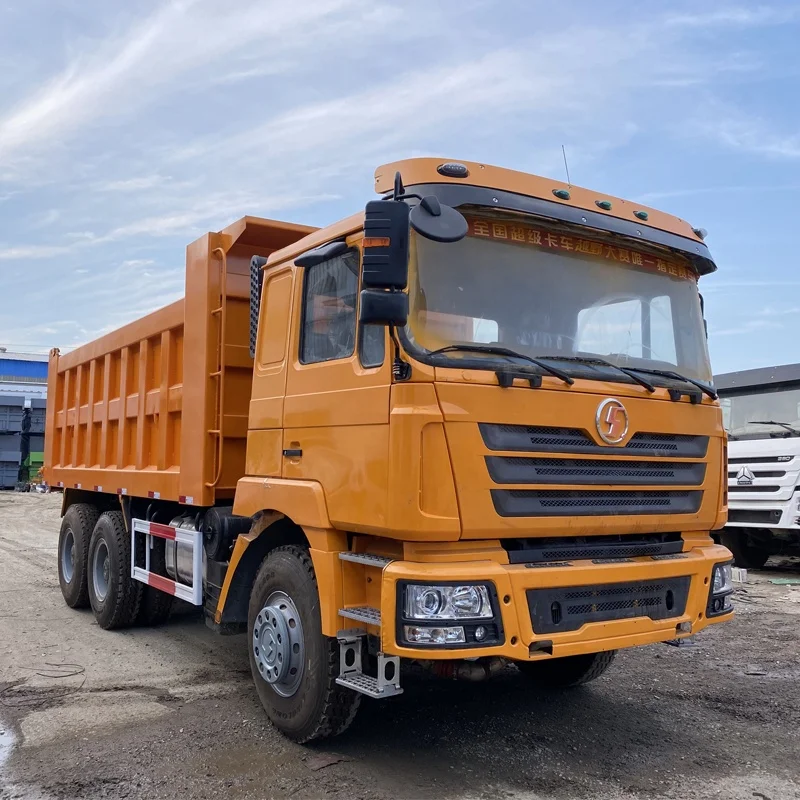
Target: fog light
(434,636)
(723,579)
(480,633)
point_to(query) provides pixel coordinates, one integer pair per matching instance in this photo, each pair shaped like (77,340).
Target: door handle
(293,453)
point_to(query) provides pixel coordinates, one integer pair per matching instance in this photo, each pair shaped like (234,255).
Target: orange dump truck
(472,424)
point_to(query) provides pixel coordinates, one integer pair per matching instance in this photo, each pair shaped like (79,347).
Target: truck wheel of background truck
(746,553)
(114,595)
(294,666)
(73,551)
(563,673)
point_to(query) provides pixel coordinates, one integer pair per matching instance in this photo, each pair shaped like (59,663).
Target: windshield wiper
(668,373)
(495,350)
(774,422)
(601,361)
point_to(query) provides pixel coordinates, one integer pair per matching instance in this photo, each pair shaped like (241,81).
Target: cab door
(336,410)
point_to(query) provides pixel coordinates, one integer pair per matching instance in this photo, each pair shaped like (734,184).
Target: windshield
(745,414)
(543,293)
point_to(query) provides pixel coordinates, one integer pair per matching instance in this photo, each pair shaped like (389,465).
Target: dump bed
(159,407)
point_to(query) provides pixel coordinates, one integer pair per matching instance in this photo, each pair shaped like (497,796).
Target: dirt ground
(170,712)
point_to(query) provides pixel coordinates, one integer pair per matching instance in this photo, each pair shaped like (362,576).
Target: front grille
(511,469)
(541,439)
(754,488)
(564,503)
(559,548)
(568,608)
(760,460)
(755,516)
(761,473)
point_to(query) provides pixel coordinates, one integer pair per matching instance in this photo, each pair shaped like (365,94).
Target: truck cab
(761,411)
(473,424)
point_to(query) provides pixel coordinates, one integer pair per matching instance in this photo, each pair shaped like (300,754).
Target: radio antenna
(566,166)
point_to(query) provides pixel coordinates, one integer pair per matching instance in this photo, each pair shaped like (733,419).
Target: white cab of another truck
(761,410)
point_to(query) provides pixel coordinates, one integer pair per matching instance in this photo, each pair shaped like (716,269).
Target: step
(369,559)
(366,684)
(365,614)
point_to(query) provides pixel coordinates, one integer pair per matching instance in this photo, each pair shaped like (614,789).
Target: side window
(329,309)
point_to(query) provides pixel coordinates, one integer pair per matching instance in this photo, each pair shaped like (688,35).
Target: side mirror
(385,261)
(437,222)
(383,308)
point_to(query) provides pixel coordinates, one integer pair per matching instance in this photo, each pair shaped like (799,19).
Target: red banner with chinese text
(519,233)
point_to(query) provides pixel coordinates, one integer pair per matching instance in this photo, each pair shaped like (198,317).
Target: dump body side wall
(115,418)
(160,406)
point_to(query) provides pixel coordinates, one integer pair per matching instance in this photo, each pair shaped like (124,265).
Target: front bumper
(511,584)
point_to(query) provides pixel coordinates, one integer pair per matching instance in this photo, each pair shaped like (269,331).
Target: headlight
(723,579)
(470,601)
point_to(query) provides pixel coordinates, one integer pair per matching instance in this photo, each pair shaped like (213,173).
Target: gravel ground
(171,713)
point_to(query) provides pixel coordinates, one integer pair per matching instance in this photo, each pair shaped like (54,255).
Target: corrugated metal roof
(755,378)
(24,356)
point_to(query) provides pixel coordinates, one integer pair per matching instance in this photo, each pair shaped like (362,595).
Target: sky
(128,129)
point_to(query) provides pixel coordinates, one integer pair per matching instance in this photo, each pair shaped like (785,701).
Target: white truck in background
(761,412)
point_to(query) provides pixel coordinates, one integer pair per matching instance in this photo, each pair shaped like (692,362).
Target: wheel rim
(68,557)
(278,644)
(100,570)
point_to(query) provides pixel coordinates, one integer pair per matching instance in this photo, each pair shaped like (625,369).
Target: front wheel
(294,666)
(564,673)
(746,552)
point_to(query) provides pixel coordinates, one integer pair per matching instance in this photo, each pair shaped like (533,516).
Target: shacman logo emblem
(611,420)
(744,477)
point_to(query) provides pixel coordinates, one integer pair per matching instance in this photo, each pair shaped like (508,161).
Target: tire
(76,531)
(113,594)
(154,606)
(746,553)
(308,704)
(564,673)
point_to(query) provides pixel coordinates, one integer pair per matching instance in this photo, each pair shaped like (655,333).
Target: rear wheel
(73,550)
(747,553)
(563,673)
(113,594)
(294,666)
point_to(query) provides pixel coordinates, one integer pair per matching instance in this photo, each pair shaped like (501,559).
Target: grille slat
(560,548)
(762,473)
(566,502)
(754,488)
(567,609)
(760,460)
(516,469)
(544,439)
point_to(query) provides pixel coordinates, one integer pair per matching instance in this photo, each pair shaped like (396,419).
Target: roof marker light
(604,204)
(701,233)
(561,194)
(453,170)
(643,215)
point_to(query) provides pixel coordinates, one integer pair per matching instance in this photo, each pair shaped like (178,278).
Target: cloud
(749,326)
(133,184)
(123,72)
(649,197)
(749,133)
(747,17)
